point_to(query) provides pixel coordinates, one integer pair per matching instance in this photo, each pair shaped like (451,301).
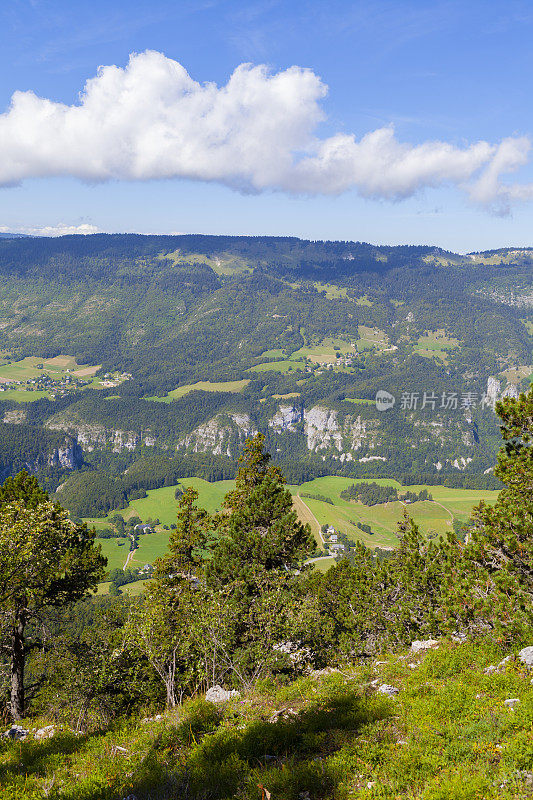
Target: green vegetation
(277,366)
(372,337)
(447,734)
(332,697)
(202,386)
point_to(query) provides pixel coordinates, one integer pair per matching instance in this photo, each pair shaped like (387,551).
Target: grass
(372,337)
(202,386)
(435,345)
(332,291)
(517,374)
(432,517)
(359,400)
(276,353)
(159,504)
(446,735)
(343,514)
(277,366)
(223,264)
(324,352)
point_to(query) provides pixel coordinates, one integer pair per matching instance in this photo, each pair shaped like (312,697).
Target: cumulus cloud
(151,120)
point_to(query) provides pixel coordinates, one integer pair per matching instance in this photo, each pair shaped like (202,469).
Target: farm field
(432,516)
(332,291)
(324,353)
(344,515)
(278,366)
(359,400)
(202,386)
(435,344)
(372,337)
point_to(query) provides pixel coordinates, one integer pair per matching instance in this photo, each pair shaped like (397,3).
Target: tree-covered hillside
(198,341)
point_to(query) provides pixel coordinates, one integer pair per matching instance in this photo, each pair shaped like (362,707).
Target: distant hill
(292,337)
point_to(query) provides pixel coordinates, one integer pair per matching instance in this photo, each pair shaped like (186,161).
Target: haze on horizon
(389,122)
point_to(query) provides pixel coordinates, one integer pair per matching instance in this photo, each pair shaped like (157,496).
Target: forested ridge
(207,311)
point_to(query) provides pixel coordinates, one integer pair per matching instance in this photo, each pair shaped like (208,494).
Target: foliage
(45,559)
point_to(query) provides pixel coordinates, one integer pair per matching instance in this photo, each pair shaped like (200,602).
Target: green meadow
(433,517)
(202,386)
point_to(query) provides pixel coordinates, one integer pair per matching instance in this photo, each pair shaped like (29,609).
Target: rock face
(325,431)
(511,391)
(216,694)
(70,456)
(98,437)
(286,418)
(222,435)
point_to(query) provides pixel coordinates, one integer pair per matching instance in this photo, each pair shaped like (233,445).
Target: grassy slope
(436,516)
(203,386)
(447,735)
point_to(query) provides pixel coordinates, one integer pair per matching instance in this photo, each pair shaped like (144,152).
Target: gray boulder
(526,656)
(16,732)
(388,690)
(216,694)
(512,701)
(425,644)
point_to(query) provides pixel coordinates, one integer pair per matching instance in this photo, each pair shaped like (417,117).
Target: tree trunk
(17,667)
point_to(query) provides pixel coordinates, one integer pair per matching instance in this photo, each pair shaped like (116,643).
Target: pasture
(201,386)
(371,337)
(278,366)
(324,352)
(435,344)
(433,517)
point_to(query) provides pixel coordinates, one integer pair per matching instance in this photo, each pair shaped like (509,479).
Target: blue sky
(289,159)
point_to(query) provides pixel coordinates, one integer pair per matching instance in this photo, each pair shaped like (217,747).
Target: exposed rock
(45,733)
(216,694)
(16,732)
(388,690)
(286,418)
(512,701)
(320,673)
(90,437)
(15,417)
(222,435)
(493,389)
(511,391)
(526,656)
(425,644)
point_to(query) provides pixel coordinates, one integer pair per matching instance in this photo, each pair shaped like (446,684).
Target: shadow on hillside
(33,758)
(287,757)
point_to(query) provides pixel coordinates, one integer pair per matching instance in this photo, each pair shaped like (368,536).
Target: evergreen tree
(45,560)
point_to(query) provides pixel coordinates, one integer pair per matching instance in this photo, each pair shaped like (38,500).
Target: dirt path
(305,515)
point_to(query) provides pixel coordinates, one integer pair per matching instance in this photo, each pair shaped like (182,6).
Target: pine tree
(45,560)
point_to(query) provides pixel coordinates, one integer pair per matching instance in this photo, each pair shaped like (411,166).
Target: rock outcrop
(222,435)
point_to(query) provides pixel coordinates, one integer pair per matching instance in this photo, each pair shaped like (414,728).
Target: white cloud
(54,230)
(151,120)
